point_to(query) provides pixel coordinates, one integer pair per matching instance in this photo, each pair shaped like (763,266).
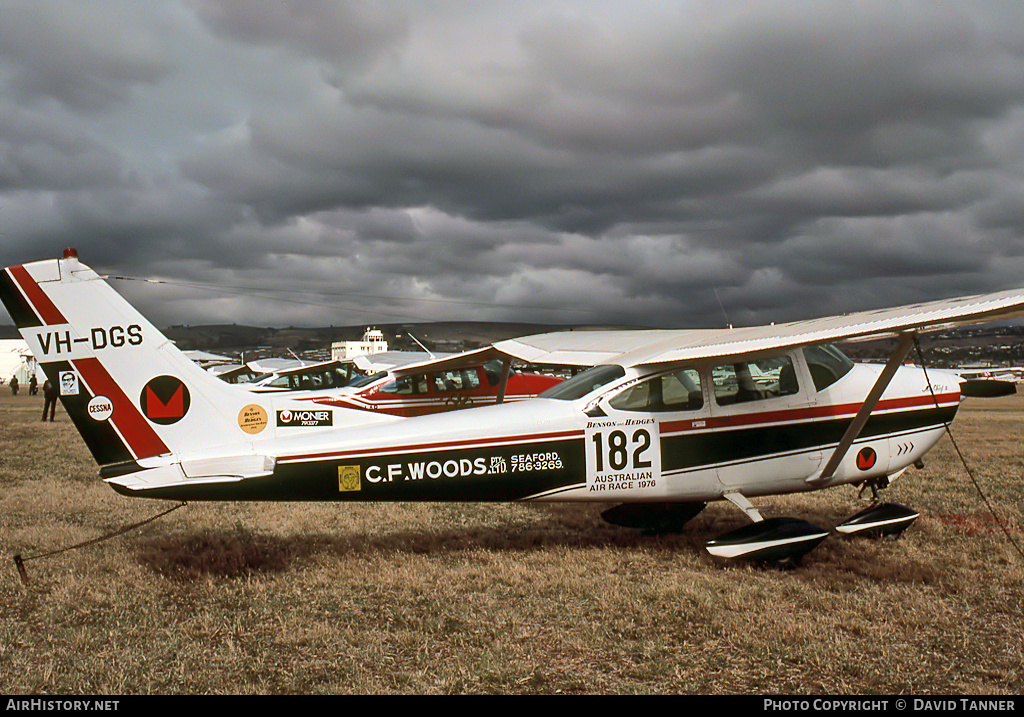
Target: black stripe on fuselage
(702,450)
(498,473)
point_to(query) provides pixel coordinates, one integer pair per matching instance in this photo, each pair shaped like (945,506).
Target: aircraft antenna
(728,324)
(429,352)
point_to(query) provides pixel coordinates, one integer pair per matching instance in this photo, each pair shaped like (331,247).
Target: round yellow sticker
(252,418)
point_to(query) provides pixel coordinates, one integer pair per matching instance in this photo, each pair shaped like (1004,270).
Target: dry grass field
(466,598)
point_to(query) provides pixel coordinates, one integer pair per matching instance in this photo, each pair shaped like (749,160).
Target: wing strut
(857,425)
(506,369)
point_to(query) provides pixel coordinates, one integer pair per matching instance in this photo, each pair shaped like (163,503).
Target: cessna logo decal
(866,458)
(100,408)
(165,400)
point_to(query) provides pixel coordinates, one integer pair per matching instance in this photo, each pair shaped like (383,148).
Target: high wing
(450,362)
(387,360)
(641,347)
(312,366)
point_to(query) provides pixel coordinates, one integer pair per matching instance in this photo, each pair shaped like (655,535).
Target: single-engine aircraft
(416,388)
(310,377)
(665,421)
(466,380)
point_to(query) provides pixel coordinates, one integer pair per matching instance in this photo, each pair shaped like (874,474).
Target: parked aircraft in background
(235,373)
(665,421)
(453,382)
(415,388)
(308,377)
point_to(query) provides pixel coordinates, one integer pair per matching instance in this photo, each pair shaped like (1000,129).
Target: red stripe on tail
(45,308)
(139,435)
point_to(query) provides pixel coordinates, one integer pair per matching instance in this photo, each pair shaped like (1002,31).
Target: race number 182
(622,449)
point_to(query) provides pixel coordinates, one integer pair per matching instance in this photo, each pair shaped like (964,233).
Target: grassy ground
(463,598)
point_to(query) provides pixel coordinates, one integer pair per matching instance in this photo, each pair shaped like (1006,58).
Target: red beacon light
(70,253)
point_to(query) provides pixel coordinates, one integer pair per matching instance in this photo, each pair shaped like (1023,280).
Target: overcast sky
(656,163)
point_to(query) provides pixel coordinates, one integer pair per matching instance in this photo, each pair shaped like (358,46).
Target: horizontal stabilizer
(987,388)
(227,469)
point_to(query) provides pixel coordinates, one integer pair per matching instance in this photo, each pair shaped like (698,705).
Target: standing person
(50,392)
(33,386)
(14,385)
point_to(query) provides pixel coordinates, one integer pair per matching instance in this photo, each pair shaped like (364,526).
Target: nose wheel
(874,485)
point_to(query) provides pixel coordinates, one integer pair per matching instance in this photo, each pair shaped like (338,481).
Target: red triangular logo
(173,408)
(866,459)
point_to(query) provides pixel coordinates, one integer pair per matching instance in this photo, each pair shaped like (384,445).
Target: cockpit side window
(754,380)
(827,365)
(361,381)
(283,381)
(678,391)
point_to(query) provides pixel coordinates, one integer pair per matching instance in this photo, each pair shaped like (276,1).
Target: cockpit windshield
(827,365)
(365,380)
(583,383)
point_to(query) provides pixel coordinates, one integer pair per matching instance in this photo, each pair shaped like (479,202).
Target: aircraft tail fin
(129,391)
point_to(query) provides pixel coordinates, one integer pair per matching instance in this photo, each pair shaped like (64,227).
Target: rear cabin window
(460,380)
(754,380)
(827,365)
(678,391)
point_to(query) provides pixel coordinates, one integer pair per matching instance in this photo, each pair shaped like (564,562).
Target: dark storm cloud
(349,32)
(660,163)
(39,154)
(83,55)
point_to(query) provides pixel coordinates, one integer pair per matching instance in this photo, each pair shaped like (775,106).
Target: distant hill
(436,336)
(999,345)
